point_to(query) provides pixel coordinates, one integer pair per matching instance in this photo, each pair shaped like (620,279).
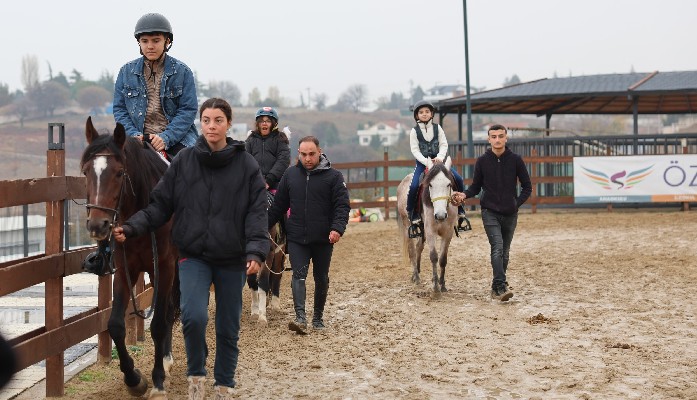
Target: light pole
(309,101)
(470,144)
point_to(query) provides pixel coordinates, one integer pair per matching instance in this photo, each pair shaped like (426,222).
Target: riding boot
(321,290)
(414,216)
(299,325)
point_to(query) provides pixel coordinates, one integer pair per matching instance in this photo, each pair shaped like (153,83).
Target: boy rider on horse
(498,171)
(428,140)
(155,99)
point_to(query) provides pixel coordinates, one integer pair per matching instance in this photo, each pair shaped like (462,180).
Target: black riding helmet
(421,104)
(154,23)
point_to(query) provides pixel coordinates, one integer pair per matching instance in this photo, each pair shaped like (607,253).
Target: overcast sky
(384,44)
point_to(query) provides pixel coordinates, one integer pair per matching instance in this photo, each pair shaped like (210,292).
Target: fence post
(685,205)
(608,152)
(385,177)
(55,166)
(103,302)
(533,166)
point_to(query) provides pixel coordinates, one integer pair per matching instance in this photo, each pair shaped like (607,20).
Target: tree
(21,107)
(513,80)
(375,142)
(398,102)
(225,90)
(5,97)
(62,79)
(76,87)
(417,94)
(326,132)
(254,98)
(76,76)
(201,89)
(30,71)
(274,94)
(93,97)
(383,103)
(320,100)
(106,81)
(355,96)
(49,95)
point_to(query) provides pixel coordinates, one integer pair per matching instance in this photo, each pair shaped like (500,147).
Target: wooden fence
(534,161)
(50,341)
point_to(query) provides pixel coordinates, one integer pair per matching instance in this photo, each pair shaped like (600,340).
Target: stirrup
(464,228)
(416,230)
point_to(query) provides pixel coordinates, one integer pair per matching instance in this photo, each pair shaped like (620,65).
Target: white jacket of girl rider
(427,131)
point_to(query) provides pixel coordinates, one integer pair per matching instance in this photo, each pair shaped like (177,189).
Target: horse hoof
(435,295)
(255,317)
(139,389)
(275,304)
(168,363)
(261,321)
(443,289)
(157,394)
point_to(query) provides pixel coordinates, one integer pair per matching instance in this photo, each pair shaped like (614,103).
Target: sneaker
(222,393)
(502,293)
(197,390)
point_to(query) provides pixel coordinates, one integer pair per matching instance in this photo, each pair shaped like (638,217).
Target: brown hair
(218,103)
(496,127)
(309,139)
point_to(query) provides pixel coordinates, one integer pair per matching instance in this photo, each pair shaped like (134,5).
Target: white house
(12,236)
(444,92)
(388,131)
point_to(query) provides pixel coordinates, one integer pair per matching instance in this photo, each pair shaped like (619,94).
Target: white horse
(439,218)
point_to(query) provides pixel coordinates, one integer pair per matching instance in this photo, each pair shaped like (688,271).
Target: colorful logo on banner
(620,180)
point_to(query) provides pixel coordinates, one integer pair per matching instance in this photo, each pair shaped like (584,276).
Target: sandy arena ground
(602,279)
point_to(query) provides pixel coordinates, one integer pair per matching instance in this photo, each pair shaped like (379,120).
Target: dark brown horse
(120,176)
(268,280)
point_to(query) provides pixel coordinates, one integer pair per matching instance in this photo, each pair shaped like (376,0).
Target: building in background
(388,131)
(444,92)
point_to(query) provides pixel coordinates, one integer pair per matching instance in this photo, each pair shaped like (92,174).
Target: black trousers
(499,229)
(319,253)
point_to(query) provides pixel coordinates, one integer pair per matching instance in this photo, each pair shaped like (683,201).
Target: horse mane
(144,166)
(435,169)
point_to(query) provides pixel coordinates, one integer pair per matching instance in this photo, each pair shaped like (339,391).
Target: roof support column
(470,144)
(635,106)
(547,118)
(459,124)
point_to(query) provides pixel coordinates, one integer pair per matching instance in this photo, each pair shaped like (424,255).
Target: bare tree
(20,108)
(5,97)
(30,71)
(49,95)
(320,100)
(274,94)
(254,98)
(93,97)
(226,90)
(356,96)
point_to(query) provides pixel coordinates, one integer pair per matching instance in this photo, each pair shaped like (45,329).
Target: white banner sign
(645,179)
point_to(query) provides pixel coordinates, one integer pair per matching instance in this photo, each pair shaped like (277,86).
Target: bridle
(114,222)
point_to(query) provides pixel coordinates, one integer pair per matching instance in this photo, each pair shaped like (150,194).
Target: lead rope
(285,258)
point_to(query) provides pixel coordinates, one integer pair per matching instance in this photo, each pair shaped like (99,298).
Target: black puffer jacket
(218,200)
(272,154)
(499,176)
(318,202)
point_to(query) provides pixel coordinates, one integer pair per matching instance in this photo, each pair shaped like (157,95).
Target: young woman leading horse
(120,175)
(217,196)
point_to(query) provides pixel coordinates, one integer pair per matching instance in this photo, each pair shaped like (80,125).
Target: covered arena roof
(654,93)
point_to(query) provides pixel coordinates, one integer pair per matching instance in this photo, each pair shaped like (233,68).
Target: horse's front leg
(414,247)
(276,280)
(254,289)
(263,289)
(431,238)
(158,330)
(136,383)
(443,261)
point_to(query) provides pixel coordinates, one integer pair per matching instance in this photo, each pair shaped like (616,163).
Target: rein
(114,222)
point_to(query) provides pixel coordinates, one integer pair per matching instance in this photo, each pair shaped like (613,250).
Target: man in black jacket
(319,208)
(498,171)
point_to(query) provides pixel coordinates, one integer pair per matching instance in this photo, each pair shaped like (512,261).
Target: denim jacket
(178,95)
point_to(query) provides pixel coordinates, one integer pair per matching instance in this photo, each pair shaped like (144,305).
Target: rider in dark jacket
(269,146)
(319,208)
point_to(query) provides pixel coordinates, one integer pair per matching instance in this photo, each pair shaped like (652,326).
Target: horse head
(438,188)
(103,163)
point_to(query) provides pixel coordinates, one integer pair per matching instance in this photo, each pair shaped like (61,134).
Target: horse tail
(176,295)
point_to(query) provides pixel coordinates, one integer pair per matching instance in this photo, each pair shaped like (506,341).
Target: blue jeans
(414,187)
(500,229)
(196,277)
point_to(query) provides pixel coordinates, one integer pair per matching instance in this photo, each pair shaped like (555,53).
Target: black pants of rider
(319,253)
(499,229)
